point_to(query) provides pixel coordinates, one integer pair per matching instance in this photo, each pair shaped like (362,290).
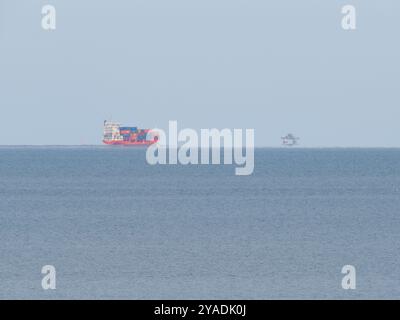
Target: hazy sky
(275,66)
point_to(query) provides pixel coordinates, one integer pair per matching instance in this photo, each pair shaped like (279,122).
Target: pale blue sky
(275,66)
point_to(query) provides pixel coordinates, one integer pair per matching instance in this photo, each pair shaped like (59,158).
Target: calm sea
(115,227)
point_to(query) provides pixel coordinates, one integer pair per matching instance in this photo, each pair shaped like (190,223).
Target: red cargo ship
(114,134)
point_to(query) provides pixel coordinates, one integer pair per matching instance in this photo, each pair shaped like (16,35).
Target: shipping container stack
(142,135)
(129,133)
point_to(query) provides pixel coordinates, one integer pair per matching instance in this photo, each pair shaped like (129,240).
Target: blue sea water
(116,227)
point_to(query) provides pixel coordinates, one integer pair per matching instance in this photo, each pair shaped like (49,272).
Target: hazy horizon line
(138,146)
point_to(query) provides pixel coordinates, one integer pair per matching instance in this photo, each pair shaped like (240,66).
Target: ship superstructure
(290,140)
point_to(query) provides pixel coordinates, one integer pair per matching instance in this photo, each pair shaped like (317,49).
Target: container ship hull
(128,143)
(114,134)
